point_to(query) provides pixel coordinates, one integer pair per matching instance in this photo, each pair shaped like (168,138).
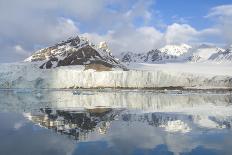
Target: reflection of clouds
(132,135)
(18,125)
(140,132)
(28,141)
(141,136)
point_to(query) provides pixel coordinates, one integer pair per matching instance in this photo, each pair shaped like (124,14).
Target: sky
(126,25)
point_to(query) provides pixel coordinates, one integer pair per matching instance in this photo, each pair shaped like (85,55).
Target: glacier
(28,75)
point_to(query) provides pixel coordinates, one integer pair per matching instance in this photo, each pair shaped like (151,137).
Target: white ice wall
(24,76)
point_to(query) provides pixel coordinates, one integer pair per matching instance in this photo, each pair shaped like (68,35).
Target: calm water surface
(115,123)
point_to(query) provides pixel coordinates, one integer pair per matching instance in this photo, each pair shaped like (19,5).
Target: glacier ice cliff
(29,76)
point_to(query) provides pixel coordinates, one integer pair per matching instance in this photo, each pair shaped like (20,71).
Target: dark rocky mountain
(76,51)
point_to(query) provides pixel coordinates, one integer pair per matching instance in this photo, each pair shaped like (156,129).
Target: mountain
(153,56)
(76,51)
(222,56)
(204,52)
(169,53)
(176,50)
(179,53)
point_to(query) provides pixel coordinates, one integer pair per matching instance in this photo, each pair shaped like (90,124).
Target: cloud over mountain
(125,24)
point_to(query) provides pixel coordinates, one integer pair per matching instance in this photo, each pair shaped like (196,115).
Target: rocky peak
(76,51)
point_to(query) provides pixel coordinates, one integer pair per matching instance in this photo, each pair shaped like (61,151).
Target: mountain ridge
(79,51)
(76,51)
(179,53)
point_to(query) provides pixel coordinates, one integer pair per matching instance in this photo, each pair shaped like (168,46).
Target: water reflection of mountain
(174,122)
(122,120)
(80,123)
(76,124)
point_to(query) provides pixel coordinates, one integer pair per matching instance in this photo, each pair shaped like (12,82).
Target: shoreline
(177,90)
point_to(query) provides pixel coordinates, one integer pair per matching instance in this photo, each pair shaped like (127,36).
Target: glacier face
(30,76)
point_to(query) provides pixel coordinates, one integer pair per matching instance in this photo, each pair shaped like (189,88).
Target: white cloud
(65,27)
(19,50)
(180,33)
(222,10)
(146,38)
(130,39)
(223,17)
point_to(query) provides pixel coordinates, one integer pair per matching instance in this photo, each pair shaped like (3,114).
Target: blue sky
(127,25)
(191,10)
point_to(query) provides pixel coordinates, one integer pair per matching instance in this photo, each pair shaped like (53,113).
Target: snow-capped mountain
(203,52)
(76,51)
(169,53)
(179,53)
(222,56)
(175,50)
(153,56)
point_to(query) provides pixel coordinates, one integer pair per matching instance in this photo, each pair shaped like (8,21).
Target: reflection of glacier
(145,101)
